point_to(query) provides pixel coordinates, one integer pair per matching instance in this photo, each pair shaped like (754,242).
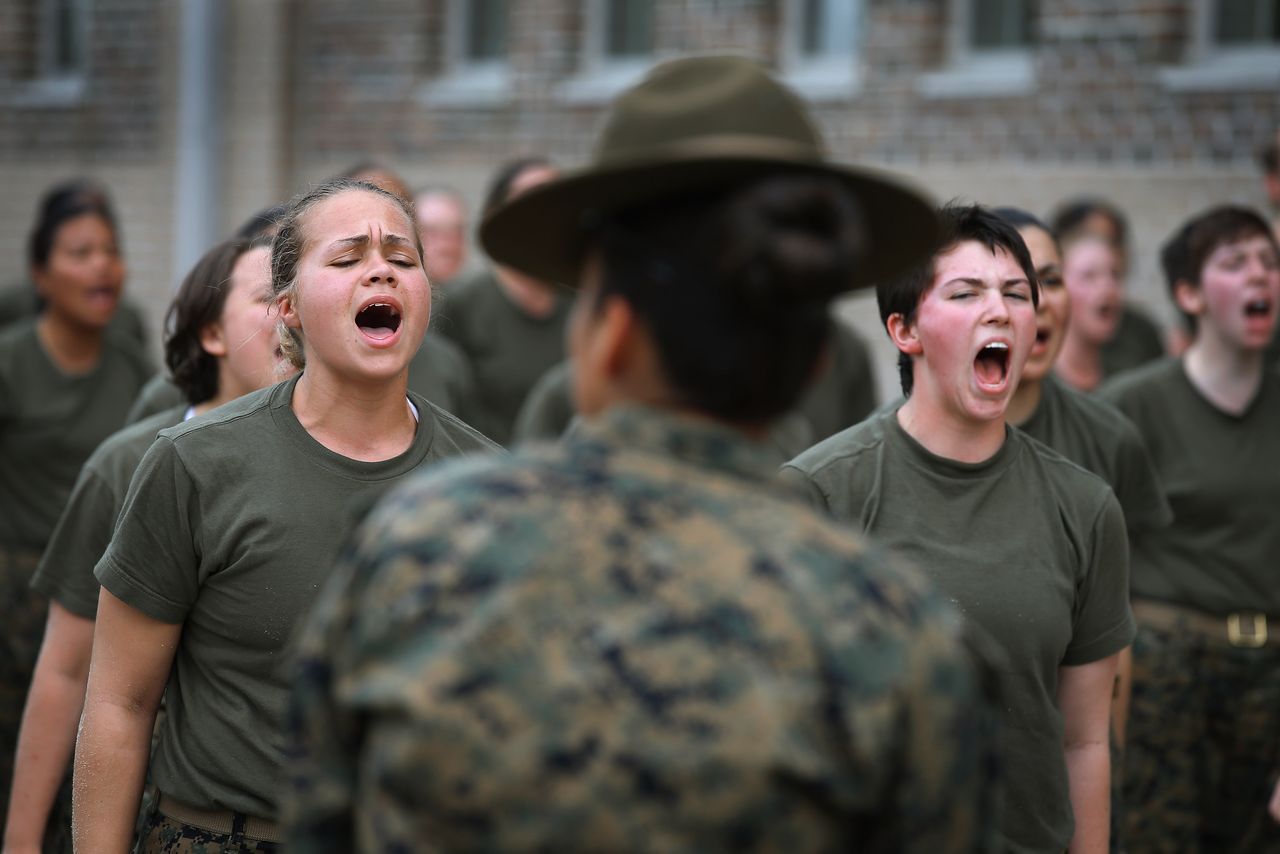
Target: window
(617,47)
(1233,45)
(1246,22)
(474,72)
(52,60)
(818,47)
(989,46)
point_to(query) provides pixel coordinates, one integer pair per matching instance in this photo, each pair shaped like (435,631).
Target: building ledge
(997,75)
(485,86)
(601,82)
(60,92)
(1256,68)
(824,80)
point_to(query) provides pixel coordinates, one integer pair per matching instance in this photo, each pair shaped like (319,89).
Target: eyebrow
(962,280)
(363,240)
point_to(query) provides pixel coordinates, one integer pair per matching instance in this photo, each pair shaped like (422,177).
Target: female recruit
(65,385)
(234,519)
(221,344)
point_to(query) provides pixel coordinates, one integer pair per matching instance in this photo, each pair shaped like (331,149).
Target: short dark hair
(1071,215)
(505,176)
(735,287)
(1184,254)
(60,204)
(960,224)
(261,224)
(1020,219)
(198,303)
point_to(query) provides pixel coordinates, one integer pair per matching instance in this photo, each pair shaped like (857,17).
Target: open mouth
(992,363)
(1042,335)
(1257,308)
(379,320)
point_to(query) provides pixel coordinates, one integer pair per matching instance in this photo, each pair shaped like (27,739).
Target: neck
(1228,377)
(959,439)
(1024,402)
(1079,363)
(368,421)
(73,348)
(535,297)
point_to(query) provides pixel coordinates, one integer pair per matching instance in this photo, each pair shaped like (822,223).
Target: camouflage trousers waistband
(1241,629)
(224,822)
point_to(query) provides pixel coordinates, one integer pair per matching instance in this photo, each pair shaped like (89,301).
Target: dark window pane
(1000,23)
(1247,21)
(827,28)
(628,27)
(811,36)
(486,29)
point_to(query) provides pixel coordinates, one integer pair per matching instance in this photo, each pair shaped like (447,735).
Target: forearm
(1089,772)
(45,743)
(110,769)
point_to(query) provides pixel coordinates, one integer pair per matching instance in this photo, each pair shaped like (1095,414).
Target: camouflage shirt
(634,640)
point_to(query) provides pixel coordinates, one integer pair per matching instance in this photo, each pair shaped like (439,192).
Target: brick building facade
(1160,105)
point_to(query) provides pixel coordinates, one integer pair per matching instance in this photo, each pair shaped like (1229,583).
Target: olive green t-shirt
(19,303)
(232,522)
(158,395)
(83,532)
(1094,435)
(1030,546)
(1222,475)
(508,350)
(440,373)
(1136,342)
(49,424)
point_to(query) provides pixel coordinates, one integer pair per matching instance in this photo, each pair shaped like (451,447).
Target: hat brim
(545,231)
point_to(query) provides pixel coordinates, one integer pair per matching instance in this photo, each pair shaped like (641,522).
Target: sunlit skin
(978,298)
(360,251)
(1052,315)
(442,227)
(1091,270)
(244,338)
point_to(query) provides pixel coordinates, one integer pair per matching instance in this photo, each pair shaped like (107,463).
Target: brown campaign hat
(699,123)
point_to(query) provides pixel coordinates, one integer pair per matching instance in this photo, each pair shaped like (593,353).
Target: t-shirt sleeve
(152,563)
(1102,623)
(801,483)
(65,573)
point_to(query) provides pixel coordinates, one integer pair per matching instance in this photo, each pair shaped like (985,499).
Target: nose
(995,308)
(382,273)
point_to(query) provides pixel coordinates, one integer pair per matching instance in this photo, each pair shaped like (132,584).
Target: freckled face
(1091,271)
(1055,303)
(363,302)
(974,328)
(1239,294)
(84,277)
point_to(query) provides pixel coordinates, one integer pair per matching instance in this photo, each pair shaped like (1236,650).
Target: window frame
(463,81)
(48,86)
(835,76)
(600,77)
(973,72)
(1210,66)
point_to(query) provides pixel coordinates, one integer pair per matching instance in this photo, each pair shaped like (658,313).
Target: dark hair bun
(789,239)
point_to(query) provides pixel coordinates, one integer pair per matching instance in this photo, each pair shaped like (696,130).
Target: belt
(1244,629)
(220,821)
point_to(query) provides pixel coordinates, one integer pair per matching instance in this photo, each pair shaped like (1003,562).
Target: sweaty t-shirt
(1094,435)
(65,573)
(1222,475)
(231,523)
(1032,549)
(508,349)
(50,422)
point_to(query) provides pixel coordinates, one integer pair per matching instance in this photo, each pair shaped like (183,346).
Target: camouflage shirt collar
(688,439)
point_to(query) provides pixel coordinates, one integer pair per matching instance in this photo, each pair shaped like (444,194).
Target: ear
(38,279)
(212,340)
(903,334)
(615,337)
(288,309)
(1188,297)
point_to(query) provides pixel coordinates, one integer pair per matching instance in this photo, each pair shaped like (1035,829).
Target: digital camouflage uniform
(163,835)
(634,639)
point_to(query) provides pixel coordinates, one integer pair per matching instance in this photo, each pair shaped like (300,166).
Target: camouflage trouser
(164,835)
(22,615)
(1203,746)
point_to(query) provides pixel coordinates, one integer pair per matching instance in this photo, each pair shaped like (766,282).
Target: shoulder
(839,452)
(452,434)
(128,445)
(18,336)
(1142,382)
(1073,485)
(230,418)
(1107,424)
(475,289)
(130,354)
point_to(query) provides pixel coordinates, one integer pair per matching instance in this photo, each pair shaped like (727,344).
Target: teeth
(996,345)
